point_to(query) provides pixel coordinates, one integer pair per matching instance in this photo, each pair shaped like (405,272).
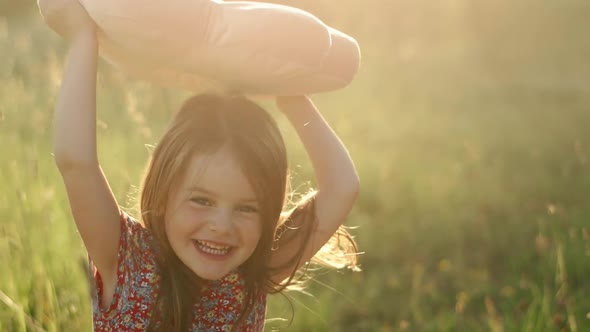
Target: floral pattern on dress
(138,283)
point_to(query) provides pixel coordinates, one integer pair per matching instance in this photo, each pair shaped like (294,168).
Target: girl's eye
(248,209)
(201,201)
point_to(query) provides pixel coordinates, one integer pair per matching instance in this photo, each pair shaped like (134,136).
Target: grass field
(468,123)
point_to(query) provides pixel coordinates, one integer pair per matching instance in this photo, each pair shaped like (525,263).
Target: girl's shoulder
(137,243)
(137,246)
(133,229)
(138,280)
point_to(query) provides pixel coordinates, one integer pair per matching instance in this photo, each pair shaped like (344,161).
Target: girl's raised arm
(337,180)
(93,205)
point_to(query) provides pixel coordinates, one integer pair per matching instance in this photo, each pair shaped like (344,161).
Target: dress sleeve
(136,272)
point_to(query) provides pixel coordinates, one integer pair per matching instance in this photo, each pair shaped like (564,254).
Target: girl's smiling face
(212,220)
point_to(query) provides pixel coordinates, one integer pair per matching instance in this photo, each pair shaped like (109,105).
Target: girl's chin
(211,275)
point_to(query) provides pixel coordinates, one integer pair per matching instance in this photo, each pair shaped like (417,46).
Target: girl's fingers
(66,17)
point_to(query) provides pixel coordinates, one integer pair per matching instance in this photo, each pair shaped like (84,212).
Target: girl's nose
(221,221)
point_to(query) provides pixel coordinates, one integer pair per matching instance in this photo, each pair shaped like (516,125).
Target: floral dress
(138,282)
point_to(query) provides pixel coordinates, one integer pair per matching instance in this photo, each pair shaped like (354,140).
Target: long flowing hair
(204,124)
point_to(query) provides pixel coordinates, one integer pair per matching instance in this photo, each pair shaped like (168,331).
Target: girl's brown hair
(204,124)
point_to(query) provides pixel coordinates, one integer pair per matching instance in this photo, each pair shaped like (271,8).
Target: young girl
(214,236)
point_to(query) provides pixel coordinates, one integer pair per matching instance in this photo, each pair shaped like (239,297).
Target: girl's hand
(66,17)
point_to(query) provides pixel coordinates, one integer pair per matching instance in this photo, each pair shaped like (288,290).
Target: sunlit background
(468,123)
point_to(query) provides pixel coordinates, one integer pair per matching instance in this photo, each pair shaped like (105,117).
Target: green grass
(468,124)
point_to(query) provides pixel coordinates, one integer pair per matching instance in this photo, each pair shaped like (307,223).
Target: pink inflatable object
(226,47)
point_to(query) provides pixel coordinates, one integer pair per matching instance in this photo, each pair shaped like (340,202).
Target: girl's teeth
(213,245)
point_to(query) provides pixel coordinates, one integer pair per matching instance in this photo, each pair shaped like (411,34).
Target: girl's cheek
(251,223)
(201,214)
(249,218)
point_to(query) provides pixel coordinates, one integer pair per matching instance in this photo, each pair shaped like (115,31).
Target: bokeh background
(468,123)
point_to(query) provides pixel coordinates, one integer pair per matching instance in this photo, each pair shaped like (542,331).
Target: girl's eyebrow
(195,188)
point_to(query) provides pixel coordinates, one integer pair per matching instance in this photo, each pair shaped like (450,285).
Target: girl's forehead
(219,173)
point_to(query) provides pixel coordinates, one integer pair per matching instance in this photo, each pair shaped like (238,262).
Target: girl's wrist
(296,109)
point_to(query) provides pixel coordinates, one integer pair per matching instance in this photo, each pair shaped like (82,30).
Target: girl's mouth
(212,248)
